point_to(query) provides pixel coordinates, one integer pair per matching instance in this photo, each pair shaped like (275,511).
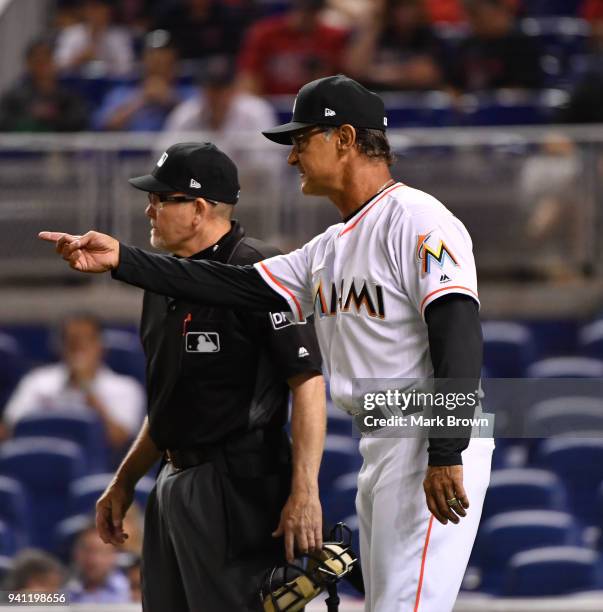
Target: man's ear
(201,208)
(347,138)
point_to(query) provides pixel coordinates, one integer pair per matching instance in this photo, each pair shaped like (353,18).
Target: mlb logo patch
(202,342)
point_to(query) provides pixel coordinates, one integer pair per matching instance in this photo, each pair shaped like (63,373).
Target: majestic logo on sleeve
(426,253)
(368,298)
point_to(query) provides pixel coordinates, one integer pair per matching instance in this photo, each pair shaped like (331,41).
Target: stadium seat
(502,536)
(8,540)
(508,348)
(566,367)
(45,467)
(14,508)
(579,463)
(84,492)
(504,107)
(523,489)
(65,532)
(547,8)
(562,416)
(339,500)
(338,422)
(560,40)
(124,353)
(340,456)
(549,571)
(419,109)
(590,339)
(86,430)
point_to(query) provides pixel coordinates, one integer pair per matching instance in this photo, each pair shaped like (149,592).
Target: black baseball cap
(332,101)
(196,169)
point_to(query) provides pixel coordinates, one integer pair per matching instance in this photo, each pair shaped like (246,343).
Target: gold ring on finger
(453,502)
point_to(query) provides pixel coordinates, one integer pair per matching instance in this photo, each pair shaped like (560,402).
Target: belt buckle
(169,457)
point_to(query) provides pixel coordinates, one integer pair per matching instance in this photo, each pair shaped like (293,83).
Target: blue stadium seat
(560,40)
(8,540)
(419,109)
(508,348)
(524,489)
(338,422)
(65,532)
(563,415)
(339,500)
(590,339)
(14,508)
(502,536)
(504,107)
(546,8)
(84,492)
(549,571)
(86,430)
(341,456)
(45,467)
(124,353)
(579,463)
(566,367)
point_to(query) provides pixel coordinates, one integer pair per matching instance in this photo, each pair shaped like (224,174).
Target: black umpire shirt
(213,373)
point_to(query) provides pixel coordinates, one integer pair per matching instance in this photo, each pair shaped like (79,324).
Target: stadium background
(505,160)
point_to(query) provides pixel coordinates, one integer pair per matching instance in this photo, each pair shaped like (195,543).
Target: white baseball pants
(410,561)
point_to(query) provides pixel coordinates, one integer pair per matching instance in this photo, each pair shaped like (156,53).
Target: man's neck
(203,240)
(359,185)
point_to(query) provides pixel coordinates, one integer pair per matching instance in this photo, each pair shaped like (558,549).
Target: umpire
(217,384)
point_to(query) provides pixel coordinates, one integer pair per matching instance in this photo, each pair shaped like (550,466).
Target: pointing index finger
(51,236)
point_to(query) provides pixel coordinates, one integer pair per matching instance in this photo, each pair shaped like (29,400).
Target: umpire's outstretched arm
(204,282)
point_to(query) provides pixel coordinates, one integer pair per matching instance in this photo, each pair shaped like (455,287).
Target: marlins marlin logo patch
(426,253)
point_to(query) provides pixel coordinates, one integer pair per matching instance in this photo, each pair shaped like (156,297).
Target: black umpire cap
(198,169)
(332,101)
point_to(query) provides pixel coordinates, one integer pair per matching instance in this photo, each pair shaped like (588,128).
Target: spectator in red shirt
(282,53)
(592,10)
(453,11)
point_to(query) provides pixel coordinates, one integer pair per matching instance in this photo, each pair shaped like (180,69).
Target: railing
(530,197)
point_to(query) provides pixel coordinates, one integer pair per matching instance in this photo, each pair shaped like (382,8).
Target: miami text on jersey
(369,298)
(426,252)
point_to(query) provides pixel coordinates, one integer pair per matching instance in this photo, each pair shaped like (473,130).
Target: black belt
(253,452)
(190,457)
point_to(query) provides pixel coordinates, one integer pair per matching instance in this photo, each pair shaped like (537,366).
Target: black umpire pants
(207,538)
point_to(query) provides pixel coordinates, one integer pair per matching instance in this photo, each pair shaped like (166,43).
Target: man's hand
(92,252)
(111,509)
(301,524)
(443,483)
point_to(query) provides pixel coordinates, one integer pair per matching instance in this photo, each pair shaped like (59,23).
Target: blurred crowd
(205,64)
(51,402)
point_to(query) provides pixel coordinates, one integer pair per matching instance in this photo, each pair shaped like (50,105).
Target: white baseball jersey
(368,282)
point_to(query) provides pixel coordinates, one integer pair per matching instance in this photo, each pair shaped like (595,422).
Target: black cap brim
(281,134)
(149,183)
